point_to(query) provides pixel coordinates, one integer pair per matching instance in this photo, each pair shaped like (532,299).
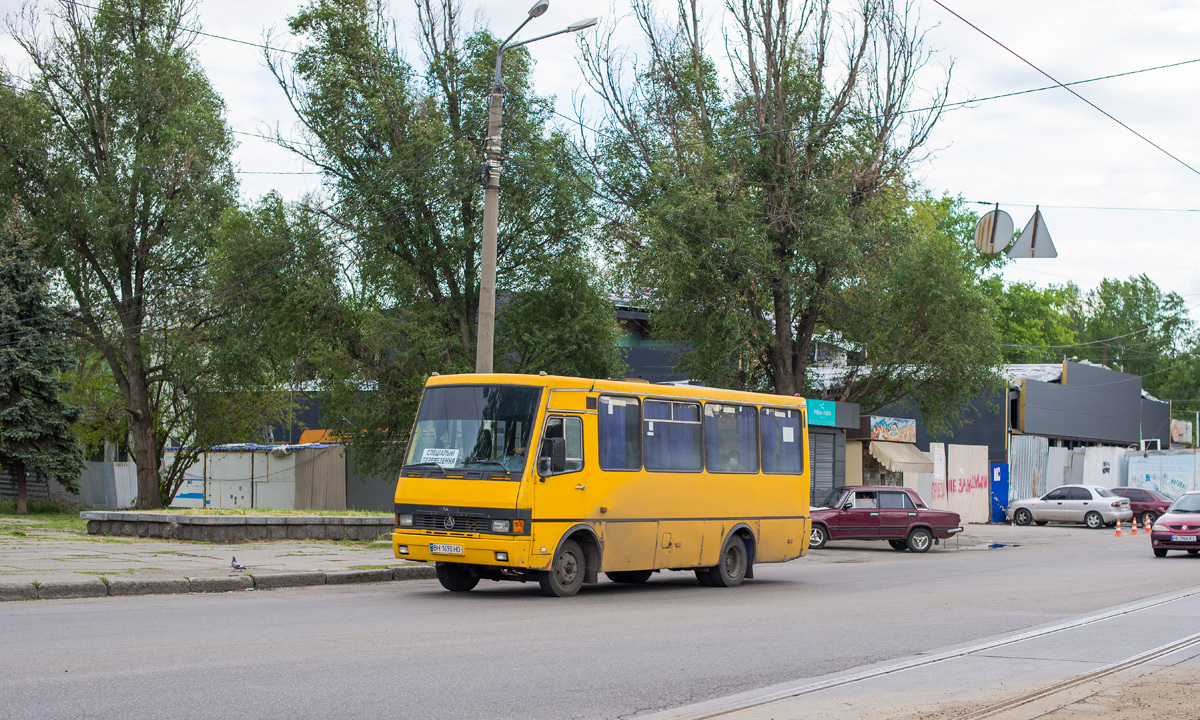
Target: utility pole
(491,192)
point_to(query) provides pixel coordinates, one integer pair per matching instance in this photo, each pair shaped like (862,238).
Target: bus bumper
(473,550)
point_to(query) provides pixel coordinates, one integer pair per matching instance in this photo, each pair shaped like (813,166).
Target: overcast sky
(1114,204)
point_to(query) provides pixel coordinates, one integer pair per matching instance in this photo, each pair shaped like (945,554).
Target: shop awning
(901,457)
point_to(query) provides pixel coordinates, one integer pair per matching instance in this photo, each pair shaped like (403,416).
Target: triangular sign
(1034,241)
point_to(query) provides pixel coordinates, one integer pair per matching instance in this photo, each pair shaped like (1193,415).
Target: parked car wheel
(630,577)
(1022,517)
(1094,520)
(920,540)
(455,577)
(898,545)
(1160,552)
(818,537)
(1149,517)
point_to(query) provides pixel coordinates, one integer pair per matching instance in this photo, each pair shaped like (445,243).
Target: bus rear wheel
(731,567)
(630,577)
(565,576)
(455,577)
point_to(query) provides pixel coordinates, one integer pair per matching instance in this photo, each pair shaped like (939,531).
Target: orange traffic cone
(1118,532)
(1148,527)
(1133,526)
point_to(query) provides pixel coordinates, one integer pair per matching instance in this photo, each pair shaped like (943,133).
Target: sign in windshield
(479,426)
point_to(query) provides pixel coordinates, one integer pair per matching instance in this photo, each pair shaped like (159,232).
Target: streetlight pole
(491,192)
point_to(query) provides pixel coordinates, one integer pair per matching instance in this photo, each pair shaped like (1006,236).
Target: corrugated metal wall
(321,479)
(36,489)
(275,480)
(1058,459)
(1027,466)
(968,482)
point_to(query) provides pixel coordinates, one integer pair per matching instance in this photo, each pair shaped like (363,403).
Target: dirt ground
(1148,693)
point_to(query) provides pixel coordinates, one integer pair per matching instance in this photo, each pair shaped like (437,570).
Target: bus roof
(620,387)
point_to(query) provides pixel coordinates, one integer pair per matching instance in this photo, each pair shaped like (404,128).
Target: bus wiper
(486,462)
(427,464)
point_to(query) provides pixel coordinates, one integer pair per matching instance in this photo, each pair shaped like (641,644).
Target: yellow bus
(557,479)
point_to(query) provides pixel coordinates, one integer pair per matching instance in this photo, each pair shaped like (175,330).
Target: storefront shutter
(821,447)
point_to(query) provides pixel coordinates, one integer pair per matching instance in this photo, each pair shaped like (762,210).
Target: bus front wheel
(455,577)
(565,576)
(731,568)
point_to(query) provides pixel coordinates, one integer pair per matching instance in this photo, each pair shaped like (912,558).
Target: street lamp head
(581,24)
(539,8)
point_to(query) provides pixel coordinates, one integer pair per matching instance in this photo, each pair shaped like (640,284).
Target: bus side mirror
(553,457)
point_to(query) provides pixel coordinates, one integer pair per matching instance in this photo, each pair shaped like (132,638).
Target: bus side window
(620,433)
(672,436)
(730,438)
(782,442)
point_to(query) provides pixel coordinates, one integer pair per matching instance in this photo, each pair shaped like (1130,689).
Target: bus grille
(462,523)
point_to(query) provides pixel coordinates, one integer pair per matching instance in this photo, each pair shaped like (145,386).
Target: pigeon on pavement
(237,565)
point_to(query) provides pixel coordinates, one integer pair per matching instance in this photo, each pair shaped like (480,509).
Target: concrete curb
(125,587)
(287,580)
(60,590)
(18,591)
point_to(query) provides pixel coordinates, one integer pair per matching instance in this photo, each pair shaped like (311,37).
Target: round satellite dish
(994,232)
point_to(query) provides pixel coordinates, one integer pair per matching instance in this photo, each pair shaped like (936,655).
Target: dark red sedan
(876,512)
(1145,503)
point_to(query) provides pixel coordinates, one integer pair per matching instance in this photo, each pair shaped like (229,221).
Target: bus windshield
(474,426)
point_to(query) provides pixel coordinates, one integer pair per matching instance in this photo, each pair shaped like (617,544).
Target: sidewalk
(67,565)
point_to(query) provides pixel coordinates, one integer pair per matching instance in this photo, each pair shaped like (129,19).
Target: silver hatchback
(1092,505)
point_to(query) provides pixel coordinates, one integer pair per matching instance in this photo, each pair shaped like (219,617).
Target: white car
(1092,505)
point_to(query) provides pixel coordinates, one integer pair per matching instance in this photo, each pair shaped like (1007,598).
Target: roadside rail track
(745,701)
(1075,681)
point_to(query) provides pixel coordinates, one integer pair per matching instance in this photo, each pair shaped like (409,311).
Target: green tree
(1034,324)
(119,155)
(1133,326)
(767,206)
(35,421)
(402,154)
(564,326)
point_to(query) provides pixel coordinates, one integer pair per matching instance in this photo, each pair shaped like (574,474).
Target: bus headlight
(404,520)
(501,526)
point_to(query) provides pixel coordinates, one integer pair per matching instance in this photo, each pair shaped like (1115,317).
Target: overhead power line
(1064,86)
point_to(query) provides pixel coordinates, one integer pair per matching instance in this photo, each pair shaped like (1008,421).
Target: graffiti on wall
(893,429)
(1171,475)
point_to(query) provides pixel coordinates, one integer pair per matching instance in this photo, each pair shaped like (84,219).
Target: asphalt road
(412,650)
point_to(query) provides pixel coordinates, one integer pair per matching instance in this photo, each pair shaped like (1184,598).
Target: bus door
(560,499)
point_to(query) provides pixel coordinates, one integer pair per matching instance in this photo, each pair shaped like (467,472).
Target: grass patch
(42,517)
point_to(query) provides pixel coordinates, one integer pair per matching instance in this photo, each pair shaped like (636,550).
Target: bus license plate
(1183,538)
(445,549)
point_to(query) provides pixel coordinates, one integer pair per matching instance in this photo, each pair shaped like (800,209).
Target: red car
(876,512)
(1145,503)
(1179,526)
